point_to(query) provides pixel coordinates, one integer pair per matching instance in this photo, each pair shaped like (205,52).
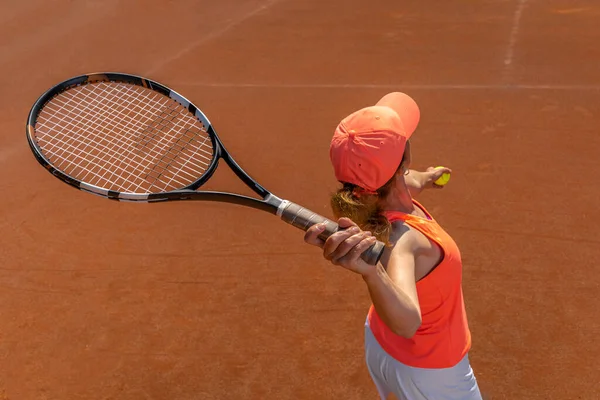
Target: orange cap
(367,146)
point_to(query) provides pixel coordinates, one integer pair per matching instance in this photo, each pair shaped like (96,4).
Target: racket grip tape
(302,218)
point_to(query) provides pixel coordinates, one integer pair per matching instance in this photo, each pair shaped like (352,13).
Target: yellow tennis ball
(442,180)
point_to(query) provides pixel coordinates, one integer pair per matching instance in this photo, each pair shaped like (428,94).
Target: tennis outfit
(434,363)
(366,149)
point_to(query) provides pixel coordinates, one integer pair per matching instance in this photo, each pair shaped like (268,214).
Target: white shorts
(409,383)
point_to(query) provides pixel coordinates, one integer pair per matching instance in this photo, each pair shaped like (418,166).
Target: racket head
(122,136)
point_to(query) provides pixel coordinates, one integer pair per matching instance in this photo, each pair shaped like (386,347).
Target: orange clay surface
(113,301)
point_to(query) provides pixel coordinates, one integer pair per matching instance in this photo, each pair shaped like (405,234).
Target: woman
(417,337)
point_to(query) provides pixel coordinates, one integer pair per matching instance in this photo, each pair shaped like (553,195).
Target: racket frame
(288,211)
(269,202)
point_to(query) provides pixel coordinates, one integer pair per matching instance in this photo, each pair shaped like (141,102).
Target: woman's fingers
(312,235)
(342,245)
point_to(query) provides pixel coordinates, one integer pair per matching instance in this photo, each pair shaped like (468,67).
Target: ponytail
(363,207)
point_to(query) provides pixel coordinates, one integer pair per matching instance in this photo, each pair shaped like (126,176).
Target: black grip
(302,218)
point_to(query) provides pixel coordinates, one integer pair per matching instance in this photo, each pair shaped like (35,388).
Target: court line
(392,86)
(512,39)
(212,35)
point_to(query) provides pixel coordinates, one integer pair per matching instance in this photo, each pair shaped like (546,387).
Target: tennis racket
(128,138)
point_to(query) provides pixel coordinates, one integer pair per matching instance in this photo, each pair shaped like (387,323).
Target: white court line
(514,34)
(210,36)
(392,86)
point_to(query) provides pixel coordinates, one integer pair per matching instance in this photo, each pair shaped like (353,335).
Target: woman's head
(367,145)
(368,151)
(364,206)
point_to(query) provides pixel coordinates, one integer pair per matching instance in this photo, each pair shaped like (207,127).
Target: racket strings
(168,160)
(70,153)
(123,137)
(126,150)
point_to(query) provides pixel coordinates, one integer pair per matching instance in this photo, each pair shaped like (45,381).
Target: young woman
(417,337)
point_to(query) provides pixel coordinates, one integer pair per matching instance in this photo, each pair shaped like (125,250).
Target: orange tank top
(443,338)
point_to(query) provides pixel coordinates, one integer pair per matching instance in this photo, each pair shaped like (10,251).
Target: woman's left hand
(433,174)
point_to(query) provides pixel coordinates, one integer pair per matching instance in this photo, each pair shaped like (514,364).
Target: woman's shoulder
(404,236)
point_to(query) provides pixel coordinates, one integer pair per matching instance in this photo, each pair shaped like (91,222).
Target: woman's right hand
(344,247)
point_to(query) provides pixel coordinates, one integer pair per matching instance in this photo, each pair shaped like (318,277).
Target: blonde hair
(364,208)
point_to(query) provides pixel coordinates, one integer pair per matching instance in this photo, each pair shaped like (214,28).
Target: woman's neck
(399,199)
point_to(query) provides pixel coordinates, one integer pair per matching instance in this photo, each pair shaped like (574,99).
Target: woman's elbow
(409,328)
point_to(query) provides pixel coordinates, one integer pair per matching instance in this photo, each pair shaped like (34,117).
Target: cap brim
(406,108)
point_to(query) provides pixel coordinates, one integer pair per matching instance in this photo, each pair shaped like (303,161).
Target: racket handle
(302,218)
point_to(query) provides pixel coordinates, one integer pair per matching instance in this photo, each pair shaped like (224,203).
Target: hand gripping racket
(128,138)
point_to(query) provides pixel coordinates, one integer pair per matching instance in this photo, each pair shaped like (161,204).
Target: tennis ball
(442,180)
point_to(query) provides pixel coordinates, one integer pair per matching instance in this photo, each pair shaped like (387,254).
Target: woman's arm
(392,289)
(417,181)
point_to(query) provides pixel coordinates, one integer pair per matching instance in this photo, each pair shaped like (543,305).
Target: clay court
(103,300)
